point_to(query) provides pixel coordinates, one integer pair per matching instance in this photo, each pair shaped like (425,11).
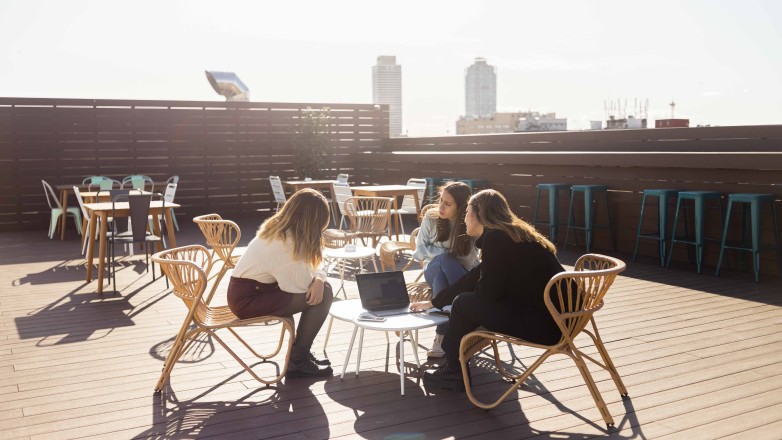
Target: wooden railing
(745,159)
(223,152)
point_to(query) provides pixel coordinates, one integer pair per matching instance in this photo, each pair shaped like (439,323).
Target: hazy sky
(720,60)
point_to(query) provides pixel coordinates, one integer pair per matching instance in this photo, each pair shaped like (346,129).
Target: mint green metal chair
(138,182)
(56,208)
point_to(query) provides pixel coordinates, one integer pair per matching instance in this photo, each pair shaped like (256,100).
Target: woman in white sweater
(445,246)
(278,275)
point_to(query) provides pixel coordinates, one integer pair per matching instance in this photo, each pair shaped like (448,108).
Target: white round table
(342,254)
(404,324)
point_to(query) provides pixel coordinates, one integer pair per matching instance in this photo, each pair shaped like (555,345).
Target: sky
(720,61)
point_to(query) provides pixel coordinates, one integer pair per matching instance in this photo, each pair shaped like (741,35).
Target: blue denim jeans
(440,273)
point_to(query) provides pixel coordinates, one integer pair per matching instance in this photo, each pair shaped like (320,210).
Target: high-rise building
(387,89)
(480,90)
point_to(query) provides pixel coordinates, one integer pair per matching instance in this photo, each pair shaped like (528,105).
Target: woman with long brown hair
(278,275)
(505,292)
(444,245)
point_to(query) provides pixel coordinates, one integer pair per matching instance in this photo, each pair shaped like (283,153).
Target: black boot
(302,364)
(445,377)
(322,362)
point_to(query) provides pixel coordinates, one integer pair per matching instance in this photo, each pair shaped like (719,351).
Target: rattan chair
(572,309)
(185,267)
(222,236)
(369,217)
(390,251)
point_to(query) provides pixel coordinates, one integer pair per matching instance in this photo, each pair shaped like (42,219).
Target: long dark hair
(461,243)
(491,209)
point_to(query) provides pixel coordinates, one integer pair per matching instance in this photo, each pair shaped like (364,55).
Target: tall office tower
(387,89)
(480,90)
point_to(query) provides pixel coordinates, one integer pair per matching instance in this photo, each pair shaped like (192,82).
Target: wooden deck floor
(699,355)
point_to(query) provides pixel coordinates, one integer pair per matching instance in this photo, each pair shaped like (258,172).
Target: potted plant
(311,143)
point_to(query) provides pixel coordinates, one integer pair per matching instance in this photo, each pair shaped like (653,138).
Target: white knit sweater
(270,261)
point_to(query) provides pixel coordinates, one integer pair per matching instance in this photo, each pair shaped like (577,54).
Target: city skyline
(717,59)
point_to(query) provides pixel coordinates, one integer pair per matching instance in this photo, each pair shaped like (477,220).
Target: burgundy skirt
(249,298)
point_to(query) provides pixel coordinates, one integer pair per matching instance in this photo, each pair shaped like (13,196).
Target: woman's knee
(328,293)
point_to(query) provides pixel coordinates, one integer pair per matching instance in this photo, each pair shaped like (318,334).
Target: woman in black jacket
(505,292)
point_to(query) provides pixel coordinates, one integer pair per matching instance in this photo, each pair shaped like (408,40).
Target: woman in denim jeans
(444,245)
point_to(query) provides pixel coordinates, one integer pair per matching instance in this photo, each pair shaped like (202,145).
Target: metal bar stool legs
(699,199)
(663,197)
(553,207)
(590,192)
(754,202)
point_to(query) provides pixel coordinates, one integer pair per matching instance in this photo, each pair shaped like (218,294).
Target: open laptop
(384,293)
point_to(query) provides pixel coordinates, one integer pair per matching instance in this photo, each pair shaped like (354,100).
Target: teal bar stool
(553,207)
(590,194)
(663,197)
(754,202)
(699,199)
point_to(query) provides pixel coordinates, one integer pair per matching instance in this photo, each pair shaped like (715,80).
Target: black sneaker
(444,377)
(325,362)
(307,368)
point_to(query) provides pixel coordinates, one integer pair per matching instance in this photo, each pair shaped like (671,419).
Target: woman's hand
(315,292)
(421,306)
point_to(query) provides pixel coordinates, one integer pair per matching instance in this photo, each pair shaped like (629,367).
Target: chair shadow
(263,412)
(82,315)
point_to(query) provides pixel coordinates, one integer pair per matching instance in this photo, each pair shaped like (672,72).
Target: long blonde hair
(493,212)
(302,219)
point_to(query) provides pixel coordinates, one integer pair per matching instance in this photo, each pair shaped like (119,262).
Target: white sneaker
(437,347)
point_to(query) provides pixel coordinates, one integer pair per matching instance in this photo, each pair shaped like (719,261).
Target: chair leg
(590,383)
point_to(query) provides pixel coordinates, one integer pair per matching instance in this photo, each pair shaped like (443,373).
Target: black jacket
(515,274)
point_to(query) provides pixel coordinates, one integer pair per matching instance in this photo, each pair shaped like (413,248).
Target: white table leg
(347,355)
(414,343)
(342,279)
(360,347)
(328,334)
(402,362)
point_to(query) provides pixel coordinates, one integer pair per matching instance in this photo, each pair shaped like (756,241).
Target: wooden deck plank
(75,364)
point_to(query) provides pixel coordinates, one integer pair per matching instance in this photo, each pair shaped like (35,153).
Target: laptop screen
(382,291)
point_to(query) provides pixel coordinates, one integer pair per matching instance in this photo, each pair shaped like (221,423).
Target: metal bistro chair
(104,185)
(341,193)
(56,210)
(138,182)
(408,202)
(137,233)
(186,268)
(572,298)
(278,191)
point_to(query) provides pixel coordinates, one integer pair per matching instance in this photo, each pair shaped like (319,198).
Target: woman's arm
(496,265)
(466,283)
(425,248)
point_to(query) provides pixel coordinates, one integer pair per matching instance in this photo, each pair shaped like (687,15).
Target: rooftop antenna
(672,104)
